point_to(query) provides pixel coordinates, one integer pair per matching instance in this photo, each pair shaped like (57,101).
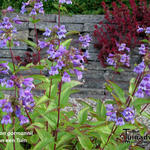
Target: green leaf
(118,91)
(132,86)
(64,139)
(145,41)
(83,114)
(35,125)
(85,142)
(140,101)
(43,99)
(34,20)
(146,114)
(100,110)
(72,32)
(66,43)
(30,43)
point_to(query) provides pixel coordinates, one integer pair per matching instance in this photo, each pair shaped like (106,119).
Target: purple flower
(109,107)
(120,121)
(139,93)
(60,64)
(41,10)
(42,44)
(66,77)
(53,71)
(18,111)
(3,82)
(23,120)
(28,82)
(61,32)
(17,20)
(23,8)
(47,32)
(147,30)
(68,2)
(113,117)
(122,47)
(9,84)
(7,107)
(6,119)
(140,29)
(129,114)
(62,1)
(33,12)
(2,102)
(4,68)
(140,68)
(142,50)
(10,9)
(85,40)
(38,5)
(78,73)
(3,43)
(110,60)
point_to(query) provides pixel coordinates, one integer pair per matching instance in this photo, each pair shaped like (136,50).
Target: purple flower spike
(68,2)
(6,119)
(66,77)
(62,1)
(140,29)
(23,120)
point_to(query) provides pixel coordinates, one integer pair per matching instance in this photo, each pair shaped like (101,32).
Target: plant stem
(12,56)
(144,108)
(114,128)
(14,134)
(137,82)
(58,110)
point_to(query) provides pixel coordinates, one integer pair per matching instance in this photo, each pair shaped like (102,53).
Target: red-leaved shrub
(120,26)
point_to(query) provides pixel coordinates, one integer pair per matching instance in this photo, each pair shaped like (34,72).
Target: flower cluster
(65,60)
(85,40)
(120,117)
(14,104)
(65,1)
(144,87)
(141,29)
(37,7)
(7,31)
(120,58)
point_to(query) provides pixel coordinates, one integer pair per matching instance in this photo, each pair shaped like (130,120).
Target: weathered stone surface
(89,92)
(69,27)
(6,53)
(89,27)
(93,56)
(81,19)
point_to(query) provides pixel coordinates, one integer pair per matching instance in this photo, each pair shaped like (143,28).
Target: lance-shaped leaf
(118,91)
(82,116)
(140,101)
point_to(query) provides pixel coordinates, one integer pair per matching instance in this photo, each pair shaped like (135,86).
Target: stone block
(81,19)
